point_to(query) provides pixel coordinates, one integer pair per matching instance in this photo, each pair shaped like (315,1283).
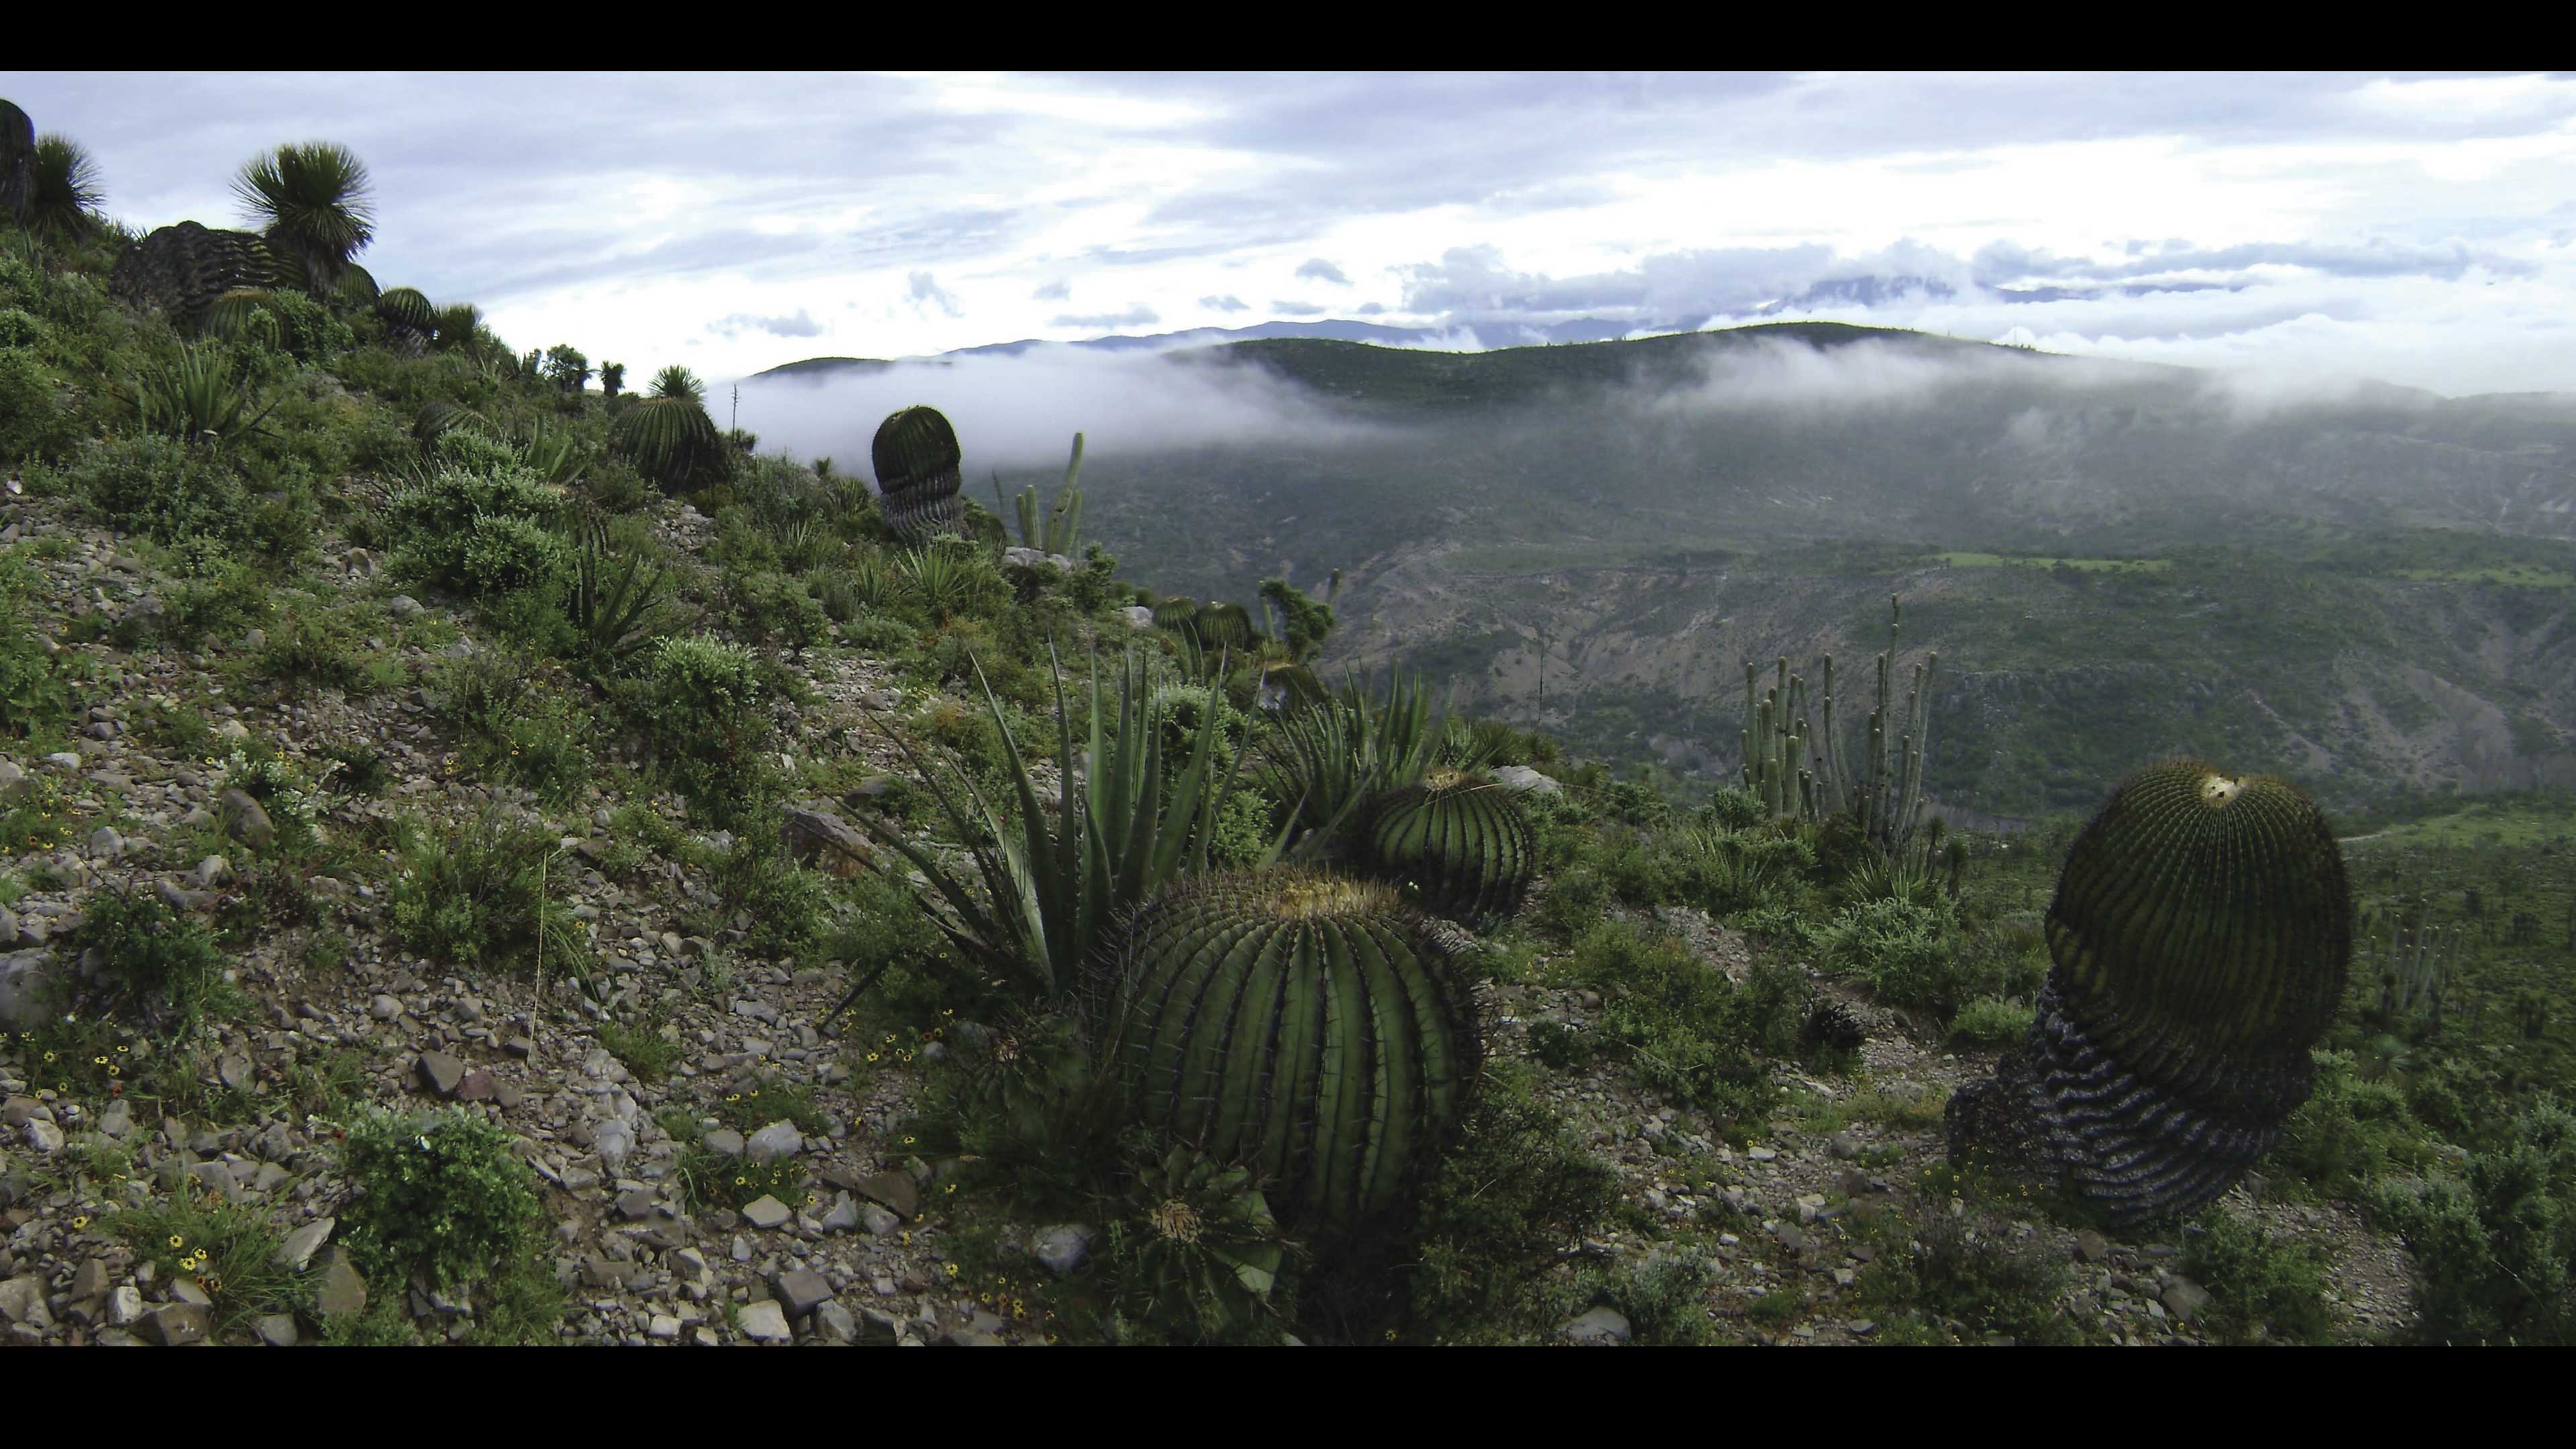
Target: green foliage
(1304,624)
(1518,1187)
(314,205)
(33,697)
(617,602)
(2262,1285)
(707,704)
(149,954)
(1328,762)
(1039,900)
(442,1196)
(1973,1273)
(197,397)
(1684,1029)
(2494,1248)
(227,1250)
(478,523)
(484,894)
(63,204)
(1991,1021)
(33,423)
(1062,529)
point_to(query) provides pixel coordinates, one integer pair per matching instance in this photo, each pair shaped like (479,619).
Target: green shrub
(1687,1031)
(2261,1284)
(476,524)
(2494,1247)
(33,699)
(159,486)
(1992,1021)
(1973,1273)
(484,895)
(149,953)
(443,1197)
(33,424)
(707,706)
(1911,954)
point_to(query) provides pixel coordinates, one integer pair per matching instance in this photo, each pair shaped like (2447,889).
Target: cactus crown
(406,307)
(914,447)
(2202,915)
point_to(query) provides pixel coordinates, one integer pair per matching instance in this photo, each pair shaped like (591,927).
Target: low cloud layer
(1020,412)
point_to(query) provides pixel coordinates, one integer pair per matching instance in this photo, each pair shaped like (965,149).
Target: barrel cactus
(1307,1026)
(17,164)
(669,435)
(183,269)
(1461,839)
(917,458)
(409,319)
(2201,933)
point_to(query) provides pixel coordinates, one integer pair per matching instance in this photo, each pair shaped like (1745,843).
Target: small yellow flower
(178,1242)
(952,1187)
(49,1056)
(120,1051)
(952,1270)
(948,1011)
(984,1298)
(1390,1335)
(742,1182)
(114,1071)
(79,1223)
(872,1056)
(733,1096)
(907,1141)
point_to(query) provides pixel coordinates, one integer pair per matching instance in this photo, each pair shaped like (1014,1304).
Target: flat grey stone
(770,1143)
(1062,1246)
(896,1190)
(835,1323)
(766,1212)
(277,1330)
(800,1289)
(723,1142)
(442,1072)
(764,1322)
(2183,1298)
(343,1290)
(125,1306)
(1601,1325)
(844,1214)
(175,1325)
(303,1243)
(245,819)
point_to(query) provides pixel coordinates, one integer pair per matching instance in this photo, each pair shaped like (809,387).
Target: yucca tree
(312,202)
(63,204)
(456,325)
(676,381)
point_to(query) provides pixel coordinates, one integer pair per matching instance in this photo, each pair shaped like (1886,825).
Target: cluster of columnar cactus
(2201,933)
(1795,769)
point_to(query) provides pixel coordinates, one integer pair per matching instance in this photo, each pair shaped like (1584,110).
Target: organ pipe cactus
(917,457)
(1461,840)
(1062,526)
(2201,933)
(1307,1026)
(1795,769)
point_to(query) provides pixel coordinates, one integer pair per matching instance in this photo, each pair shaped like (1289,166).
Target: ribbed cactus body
(917,457)
(1225,626)
(2201,935)
(182,269)
(1308,1026)
(406,307)
(1176,613)
(1461,839)
(17,164)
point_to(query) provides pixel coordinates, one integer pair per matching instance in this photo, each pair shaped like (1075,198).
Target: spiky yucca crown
(406,307)
(1307,1025)
(1462,839)
(2202,924)
(916,449)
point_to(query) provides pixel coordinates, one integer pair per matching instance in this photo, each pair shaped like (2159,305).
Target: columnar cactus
(2201,934)
(917,458)
(1307,1026)
(1461,839)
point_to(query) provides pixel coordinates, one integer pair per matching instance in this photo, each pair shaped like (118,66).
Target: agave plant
(615,598)
(438,415)
(246,313)
(557,453)
(950,580)
(1334,758)
(313,204)
(197,399)
(63,204)
(1040,896)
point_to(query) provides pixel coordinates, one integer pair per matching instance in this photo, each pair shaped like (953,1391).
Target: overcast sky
(2410,228)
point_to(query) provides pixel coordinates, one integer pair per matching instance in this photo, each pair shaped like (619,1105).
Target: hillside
(486,860)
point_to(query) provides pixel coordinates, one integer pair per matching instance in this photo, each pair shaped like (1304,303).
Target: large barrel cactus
(1461,839)
(2201,933)
(409,319)
(1307,1026)
(917,457)
(17,164)
(182,269)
